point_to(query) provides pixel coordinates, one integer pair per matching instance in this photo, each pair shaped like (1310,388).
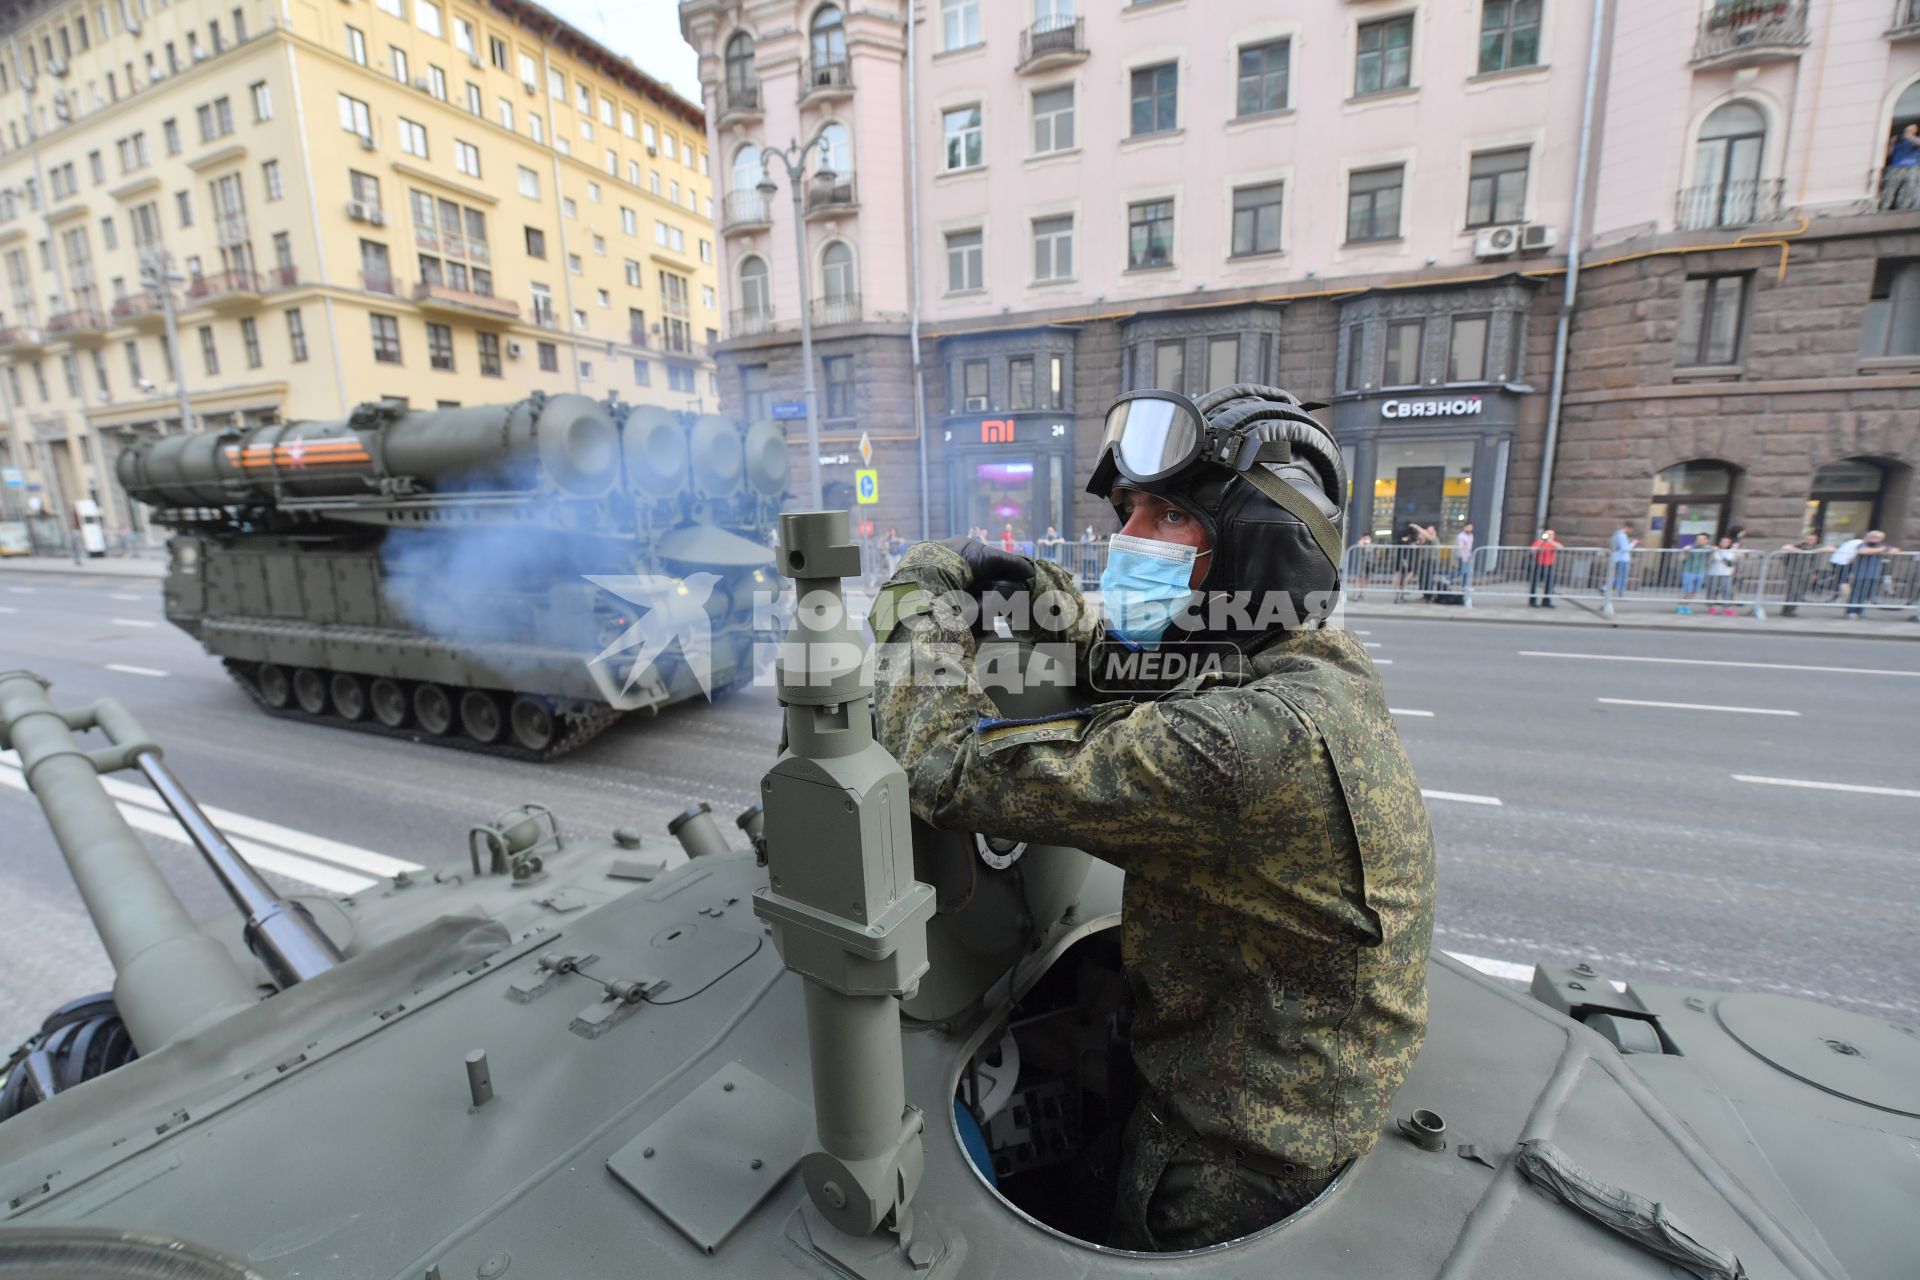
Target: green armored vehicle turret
(859,1049)
(483,577)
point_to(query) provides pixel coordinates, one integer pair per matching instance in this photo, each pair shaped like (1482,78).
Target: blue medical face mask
(1144,585)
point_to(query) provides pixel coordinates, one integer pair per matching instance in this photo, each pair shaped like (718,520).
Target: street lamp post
(157,274)
(794,157)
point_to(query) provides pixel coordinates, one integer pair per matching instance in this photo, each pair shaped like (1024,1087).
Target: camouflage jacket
(1280,876)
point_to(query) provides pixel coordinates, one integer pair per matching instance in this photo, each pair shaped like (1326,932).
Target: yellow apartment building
(329,203)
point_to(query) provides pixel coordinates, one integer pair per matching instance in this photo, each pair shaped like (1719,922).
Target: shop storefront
(1009,470)
(1437,459)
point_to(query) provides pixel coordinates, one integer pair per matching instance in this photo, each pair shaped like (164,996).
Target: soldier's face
(1145,516)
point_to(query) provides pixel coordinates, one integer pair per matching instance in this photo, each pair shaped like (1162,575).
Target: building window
(642,372)
(463,38)
(1373,203)
(413,138)
(836,273)
(529,183)
(1053,120)
(1403,353)
(1263,78)
(1223,361)
(397,62)
(1020,383)
(1053,248)
(1150,234)
(427,15)
(549,355)
(506,115)
(966,261)
(357,45)
(960,23)
(1467,349)
(364,188)
(536,242)
(250,339)
(476,102)
(1509,35)
(209,353)
(183,201)
(962,129)
(1170,366)
(440,346)
(1893,310)
(839,380)
(973,386)
(466,158)
(262,101)
(1256,219)
(386,338)
(296,336)
(754,392)
(497,52)
(756,289)
(170,131)
(1712,314)
(1385,58)
(1497,187)
(1156,99)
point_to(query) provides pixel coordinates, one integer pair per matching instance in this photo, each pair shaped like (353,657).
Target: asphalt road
(1573,822)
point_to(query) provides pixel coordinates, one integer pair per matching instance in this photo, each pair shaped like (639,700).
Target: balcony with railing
(22,337)
(231,228)
(826,196)
(746,322)
(1054,41)
(826,79)
(284,277)
(745,211)
(740,100)
(544,315)
(224,288)
(141,310)
(80,322)
(1906,20)
(379,282)
(839,308)
(432,295)
(1738,32)
(1729,204)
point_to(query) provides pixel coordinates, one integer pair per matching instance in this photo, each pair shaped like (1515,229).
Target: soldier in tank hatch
(1279,897)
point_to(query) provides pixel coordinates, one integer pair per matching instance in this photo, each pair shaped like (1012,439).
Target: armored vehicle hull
(485,578)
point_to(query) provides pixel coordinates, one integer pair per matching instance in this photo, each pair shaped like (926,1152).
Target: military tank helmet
(1261,474)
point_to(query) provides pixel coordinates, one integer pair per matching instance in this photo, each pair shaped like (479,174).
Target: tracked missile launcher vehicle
(860,1049)
(481,577)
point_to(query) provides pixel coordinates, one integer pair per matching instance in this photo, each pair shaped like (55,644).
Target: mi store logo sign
(996,431)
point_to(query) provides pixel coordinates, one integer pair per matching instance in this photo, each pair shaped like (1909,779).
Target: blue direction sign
(784,410)
(866,487)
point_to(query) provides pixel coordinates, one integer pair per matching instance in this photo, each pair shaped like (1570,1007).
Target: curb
(71,570)
(1753,628)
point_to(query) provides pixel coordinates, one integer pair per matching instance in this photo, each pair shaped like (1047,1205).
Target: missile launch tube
(172,979)
(564,444)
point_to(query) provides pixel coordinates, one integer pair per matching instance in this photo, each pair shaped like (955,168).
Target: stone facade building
(1370,203)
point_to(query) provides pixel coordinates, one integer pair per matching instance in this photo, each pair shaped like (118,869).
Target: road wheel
(480,715)
(349,695)
(533,723)
(389,702)
(310,690)
(432,708)
(275,689)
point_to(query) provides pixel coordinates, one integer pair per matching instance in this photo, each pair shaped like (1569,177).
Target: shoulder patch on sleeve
(994,735)
(896,602)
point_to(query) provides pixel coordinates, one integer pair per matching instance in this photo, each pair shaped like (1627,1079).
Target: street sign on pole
(866,449)
(866,487)
(789,410)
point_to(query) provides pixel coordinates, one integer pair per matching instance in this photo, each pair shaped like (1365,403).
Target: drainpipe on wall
(1572,287)
(313,213)
(560,208)
(913,274)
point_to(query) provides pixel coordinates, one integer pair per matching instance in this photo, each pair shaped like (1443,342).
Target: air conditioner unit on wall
(1496,242)
(361,211)
(1538,236)
(513,350)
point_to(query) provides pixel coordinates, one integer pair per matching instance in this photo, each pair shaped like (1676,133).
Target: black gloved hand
(992,569)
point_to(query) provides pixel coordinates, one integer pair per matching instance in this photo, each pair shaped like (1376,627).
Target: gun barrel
(171,979)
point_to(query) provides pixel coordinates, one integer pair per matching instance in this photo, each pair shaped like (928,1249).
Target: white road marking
(1712,662)
(1403,711)
(1363,633)
(7,608)
(1370,644)
(133,622)
(127,595)
(23,591)
(1462,797)
(1696,706)
(318,874)
(1854,787)
(1495,968)
(1383,662)
(134,671)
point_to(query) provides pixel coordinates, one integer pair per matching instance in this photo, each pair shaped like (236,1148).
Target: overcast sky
(648,31)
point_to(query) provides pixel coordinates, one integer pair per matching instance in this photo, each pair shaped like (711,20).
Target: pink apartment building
(1371,202)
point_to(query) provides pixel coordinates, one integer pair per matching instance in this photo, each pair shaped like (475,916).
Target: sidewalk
(110,567)
(1822,620)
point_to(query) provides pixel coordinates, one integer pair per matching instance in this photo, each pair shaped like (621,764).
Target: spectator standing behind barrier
(1051,546)
(1867,562)
(1720,578)
(1403,554)
(1693,572)
(1622,556)
(1801,560)
(1842,562)
(1546,549)
(1463,555)
(1089,558)
(1362,553)
(1426,550)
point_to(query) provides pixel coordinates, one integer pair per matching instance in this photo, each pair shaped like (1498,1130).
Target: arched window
(1845,501)
(829,47)
(1690,498)
(1727,188)
(835,152)
(756,289)
(743,79)
(1900,176)
(836,272)
(746,167)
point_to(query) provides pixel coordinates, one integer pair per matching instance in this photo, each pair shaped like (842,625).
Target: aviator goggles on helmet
(1155,437)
